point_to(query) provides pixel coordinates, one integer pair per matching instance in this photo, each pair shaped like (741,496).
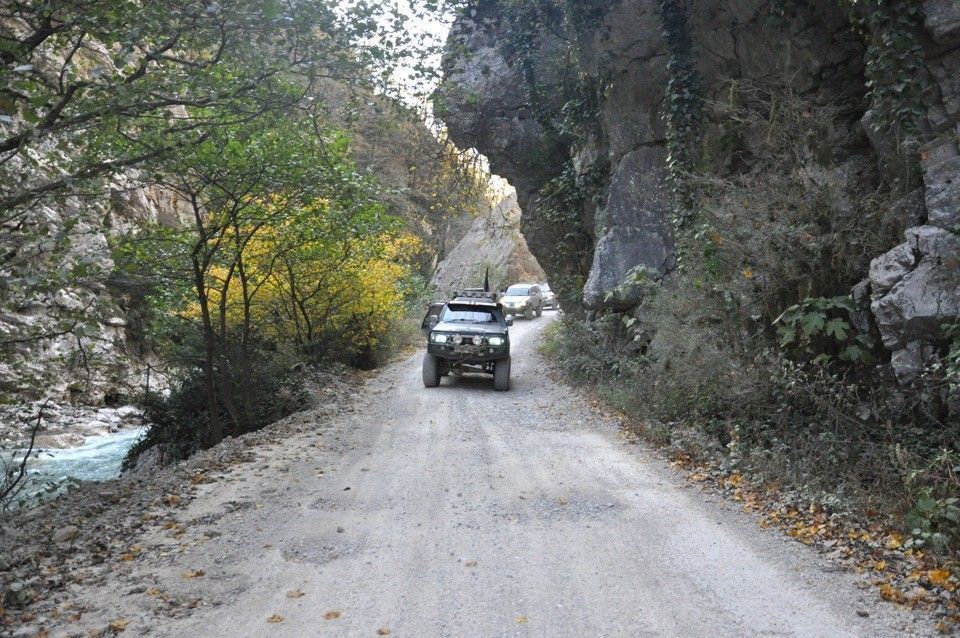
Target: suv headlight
(495,341)
(439,338)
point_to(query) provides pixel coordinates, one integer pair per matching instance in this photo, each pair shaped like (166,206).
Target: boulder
(912,303)
(889,268)
(908,362)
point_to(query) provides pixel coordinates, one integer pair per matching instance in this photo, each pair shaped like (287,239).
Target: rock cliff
(576,102)
(493,242)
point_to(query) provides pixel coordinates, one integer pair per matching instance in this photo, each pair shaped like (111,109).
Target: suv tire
(431,371)
(501,375)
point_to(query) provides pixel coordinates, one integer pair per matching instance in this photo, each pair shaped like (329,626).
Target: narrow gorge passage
(461,511)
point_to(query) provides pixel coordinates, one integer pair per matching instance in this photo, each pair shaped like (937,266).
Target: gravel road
(459,511)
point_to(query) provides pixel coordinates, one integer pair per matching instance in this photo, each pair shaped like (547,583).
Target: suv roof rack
(474,293)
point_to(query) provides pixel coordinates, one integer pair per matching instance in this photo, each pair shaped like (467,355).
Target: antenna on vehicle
(486,281)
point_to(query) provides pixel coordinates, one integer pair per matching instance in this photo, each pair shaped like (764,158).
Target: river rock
(66,534)
(61,441)
(99,427)
(17,595)
(128,412)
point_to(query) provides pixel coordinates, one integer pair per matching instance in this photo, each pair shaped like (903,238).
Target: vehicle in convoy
(468,334)
(549,297)
(522,299)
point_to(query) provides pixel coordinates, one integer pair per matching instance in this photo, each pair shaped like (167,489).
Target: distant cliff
(493,242)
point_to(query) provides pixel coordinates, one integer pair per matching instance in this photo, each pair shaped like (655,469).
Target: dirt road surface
(459,511)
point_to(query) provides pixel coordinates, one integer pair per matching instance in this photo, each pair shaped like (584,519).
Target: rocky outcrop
(493,242)
(489,101)
(916,285)
(504,102)
(76,342)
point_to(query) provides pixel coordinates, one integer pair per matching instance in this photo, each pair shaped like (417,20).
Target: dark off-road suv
(467,334)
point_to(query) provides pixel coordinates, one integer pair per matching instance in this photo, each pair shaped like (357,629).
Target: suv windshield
(461,314)
(518,291)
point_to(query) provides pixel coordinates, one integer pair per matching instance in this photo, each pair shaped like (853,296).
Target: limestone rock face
(503,106)
(916,285)
(502,103)
(636,231)
(111,366)
(486,101)
(942,19)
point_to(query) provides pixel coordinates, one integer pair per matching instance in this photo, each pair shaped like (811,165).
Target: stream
(98,459)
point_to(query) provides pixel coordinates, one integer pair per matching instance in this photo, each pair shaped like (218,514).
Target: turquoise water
(98,459)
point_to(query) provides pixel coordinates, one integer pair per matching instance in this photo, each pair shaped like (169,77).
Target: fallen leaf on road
(891,594)
(119,625)
(193,573)
(894,541)
(296,593)
(275,619)
(470,563)
(332,615)
(153,591)
(938,577)
(383,631)
(562,500)
(131,553)
(172,499)
(521,620)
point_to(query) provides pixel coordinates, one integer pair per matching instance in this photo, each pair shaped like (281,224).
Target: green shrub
(180,421)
